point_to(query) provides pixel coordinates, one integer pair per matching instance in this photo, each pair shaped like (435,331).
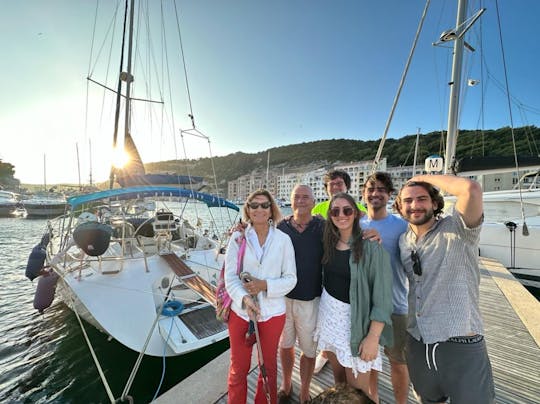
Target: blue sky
(261,74)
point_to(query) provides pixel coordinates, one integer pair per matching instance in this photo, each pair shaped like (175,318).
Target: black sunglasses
(416,266)
(347,211)
(255,205)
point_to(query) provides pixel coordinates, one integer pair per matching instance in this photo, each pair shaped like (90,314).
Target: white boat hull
(136,271)
(519,253)
(44,210)
(124,304)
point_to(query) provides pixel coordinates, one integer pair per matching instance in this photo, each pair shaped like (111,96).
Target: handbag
(223,300)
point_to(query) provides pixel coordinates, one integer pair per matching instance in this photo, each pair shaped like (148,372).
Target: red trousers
(269,333)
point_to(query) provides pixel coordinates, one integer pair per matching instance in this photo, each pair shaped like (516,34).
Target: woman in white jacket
(269,259)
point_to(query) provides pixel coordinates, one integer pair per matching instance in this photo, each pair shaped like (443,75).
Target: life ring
(172,308)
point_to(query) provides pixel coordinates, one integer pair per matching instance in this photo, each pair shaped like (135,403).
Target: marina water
(44,357)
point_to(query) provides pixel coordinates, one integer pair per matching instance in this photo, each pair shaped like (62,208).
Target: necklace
(301,226)
(344,242)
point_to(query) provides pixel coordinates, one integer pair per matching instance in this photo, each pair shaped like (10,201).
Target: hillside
(491,143)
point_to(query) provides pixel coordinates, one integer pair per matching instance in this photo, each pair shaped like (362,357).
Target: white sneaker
(320,362)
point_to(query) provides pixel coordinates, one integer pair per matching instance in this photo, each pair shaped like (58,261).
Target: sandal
(284,398)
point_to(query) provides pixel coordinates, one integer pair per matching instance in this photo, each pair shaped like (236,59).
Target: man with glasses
(335,181)
(302,302)
(447,356)
(376,193)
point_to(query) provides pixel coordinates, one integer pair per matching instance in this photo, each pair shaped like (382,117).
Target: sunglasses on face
(416,266)
(347,211)
(255,205)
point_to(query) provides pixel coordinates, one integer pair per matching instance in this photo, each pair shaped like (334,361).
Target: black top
(308,250)
(337,276)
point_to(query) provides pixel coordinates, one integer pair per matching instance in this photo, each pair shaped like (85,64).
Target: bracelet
(374,334)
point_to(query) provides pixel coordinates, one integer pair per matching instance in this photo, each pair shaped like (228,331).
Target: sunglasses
(347,211)
(255,205)
(416,266)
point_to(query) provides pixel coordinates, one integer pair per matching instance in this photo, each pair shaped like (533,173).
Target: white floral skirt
(333,334)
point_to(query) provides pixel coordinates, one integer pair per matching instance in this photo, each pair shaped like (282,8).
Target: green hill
(494,143)
(472,143)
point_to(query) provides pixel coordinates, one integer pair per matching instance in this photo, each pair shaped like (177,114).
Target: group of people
(320,279)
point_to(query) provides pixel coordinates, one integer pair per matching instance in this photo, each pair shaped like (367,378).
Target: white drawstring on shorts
(432,356)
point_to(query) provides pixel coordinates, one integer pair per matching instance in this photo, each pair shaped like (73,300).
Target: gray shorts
(300,323)
(455,370)
(396,353)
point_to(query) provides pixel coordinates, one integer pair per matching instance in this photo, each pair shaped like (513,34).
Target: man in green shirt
(334,181)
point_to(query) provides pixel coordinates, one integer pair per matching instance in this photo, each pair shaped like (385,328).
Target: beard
(419,221)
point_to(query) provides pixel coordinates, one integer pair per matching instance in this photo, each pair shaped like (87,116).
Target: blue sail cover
(142,192)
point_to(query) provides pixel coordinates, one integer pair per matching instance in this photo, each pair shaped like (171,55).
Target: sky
(261,74)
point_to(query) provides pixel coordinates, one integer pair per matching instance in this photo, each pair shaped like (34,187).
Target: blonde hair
(275,212)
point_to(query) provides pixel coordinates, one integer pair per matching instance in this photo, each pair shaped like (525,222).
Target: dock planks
(511,321)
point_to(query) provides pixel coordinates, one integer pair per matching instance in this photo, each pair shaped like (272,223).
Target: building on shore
(280,183)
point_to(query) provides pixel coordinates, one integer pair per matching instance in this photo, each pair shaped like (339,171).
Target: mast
(416,151)
(123,76)
(44,173)
(267,169)
(78,165)
(128,76)
(90,152)
(457,35)
(455,87)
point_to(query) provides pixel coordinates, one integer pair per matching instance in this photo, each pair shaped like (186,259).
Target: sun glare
(120,158)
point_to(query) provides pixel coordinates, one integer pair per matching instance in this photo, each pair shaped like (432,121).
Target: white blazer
(277,266)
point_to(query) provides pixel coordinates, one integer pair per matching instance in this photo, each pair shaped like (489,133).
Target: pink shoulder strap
(241,252)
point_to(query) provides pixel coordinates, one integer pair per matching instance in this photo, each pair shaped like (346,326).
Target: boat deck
(190,279)
(512,329)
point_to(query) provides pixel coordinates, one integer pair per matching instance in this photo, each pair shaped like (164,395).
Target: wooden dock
(512,329)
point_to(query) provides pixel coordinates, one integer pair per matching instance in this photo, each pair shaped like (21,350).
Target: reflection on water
(45,359)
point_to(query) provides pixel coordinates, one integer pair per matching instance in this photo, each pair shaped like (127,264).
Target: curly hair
(433,192)
(331,232)
(275,212)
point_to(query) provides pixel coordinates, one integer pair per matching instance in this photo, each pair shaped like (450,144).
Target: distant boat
(45,206)
(283,203)
(9,204)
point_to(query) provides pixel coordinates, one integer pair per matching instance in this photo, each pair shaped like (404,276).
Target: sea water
(45,359)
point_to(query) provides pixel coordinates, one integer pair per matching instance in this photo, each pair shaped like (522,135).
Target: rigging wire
(377,158)
(525,230)
(193,130)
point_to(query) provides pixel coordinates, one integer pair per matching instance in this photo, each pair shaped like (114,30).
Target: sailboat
(9,204)
(46,204)
(140,262)
(511,226)
(514,240)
